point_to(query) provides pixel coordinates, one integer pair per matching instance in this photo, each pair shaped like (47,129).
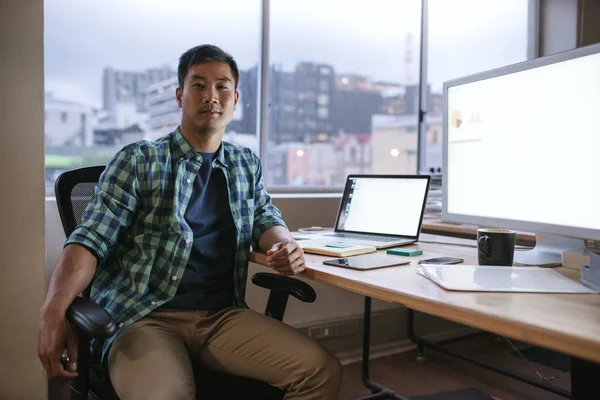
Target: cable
(538,373)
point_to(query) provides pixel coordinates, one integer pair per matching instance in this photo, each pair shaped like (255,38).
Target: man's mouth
(210,111)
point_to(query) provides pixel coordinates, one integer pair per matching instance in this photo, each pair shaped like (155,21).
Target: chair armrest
(297,288)
(91,318)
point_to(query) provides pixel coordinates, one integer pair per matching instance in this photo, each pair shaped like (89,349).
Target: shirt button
(174,277)
(180,158)
(153,303)
(121,325)
(188,180)
(187,241)
(198,158)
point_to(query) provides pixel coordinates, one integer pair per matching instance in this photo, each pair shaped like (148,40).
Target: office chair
(73,190)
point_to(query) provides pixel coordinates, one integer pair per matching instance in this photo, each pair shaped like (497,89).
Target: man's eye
(198,85)
(223,87)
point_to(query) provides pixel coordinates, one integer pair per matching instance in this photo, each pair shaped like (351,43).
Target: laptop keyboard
(363,237)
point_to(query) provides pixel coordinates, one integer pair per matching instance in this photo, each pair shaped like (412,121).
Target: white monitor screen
(525,146)
(391,206)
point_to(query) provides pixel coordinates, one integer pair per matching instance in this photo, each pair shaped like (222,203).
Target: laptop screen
(383,204)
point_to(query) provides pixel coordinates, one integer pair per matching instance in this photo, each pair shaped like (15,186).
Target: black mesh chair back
(73,191)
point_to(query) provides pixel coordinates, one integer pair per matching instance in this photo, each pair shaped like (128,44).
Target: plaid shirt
(135,225)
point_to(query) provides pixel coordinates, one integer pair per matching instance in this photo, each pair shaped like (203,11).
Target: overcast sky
(367,38)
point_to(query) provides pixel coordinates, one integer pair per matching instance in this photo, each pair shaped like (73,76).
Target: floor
(442,373)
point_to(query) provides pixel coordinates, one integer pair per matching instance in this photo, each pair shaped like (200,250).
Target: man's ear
(237,97)
(178,94)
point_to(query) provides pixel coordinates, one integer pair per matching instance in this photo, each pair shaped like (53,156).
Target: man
(166,239)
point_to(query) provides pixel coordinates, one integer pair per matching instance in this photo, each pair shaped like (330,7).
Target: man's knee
(322,367)
(150,361)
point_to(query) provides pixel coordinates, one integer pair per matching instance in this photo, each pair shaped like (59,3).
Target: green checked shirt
(135,225)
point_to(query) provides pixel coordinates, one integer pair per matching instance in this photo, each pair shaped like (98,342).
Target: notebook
(334,248)
(489,278)
(381,210)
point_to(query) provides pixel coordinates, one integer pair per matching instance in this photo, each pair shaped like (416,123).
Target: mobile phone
(442,260)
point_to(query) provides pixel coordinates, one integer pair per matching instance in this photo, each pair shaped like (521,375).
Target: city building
(119,86)
(394,144)
(67,123)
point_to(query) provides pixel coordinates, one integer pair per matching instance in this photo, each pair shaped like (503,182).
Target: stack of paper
(500,279)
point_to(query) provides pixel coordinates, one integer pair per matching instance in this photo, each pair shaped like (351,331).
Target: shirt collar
(183,151)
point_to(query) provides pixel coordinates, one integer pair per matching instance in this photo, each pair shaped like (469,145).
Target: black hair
(201,54)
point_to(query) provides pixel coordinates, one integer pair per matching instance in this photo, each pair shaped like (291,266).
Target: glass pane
(466,37)
(343,87)
(111,72)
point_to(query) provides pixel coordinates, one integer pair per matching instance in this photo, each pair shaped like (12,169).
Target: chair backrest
(73,190)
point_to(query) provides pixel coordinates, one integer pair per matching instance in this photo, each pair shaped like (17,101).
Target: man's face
(208,98)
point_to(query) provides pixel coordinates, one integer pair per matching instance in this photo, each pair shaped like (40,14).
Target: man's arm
(74,271)
(284,254)
(109,212)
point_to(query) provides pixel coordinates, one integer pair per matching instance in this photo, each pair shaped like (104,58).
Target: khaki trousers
(152,358)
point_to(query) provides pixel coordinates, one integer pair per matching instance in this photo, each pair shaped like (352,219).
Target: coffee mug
(496,246)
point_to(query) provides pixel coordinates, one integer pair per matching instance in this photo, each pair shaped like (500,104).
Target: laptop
(381,210)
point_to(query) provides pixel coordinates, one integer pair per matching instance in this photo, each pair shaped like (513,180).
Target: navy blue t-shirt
(207,282)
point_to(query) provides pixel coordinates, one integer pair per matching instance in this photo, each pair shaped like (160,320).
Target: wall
(22,201)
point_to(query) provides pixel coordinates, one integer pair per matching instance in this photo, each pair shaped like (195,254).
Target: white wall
(22,199)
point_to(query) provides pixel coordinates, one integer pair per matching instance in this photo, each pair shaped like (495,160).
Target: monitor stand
(547,251)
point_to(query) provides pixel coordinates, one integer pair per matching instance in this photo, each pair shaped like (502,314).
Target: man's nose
(210,95)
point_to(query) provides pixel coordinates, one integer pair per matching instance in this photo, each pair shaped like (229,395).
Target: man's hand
(55,335)
(286,258)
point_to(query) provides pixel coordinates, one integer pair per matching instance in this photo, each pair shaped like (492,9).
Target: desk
(567,323)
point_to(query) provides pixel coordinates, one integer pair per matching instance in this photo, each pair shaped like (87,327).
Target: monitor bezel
(519,225)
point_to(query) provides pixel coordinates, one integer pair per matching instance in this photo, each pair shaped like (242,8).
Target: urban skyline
(82,37)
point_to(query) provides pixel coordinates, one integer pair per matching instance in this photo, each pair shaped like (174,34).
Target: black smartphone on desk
(442,260)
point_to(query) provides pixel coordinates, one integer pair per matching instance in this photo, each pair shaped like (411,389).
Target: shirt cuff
(87,238)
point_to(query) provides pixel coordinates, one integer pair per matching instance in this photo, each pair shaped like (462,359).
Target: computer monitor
(522,151)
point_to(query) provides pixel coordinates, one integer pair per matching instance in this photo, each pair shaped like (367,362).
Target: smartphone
(442,260)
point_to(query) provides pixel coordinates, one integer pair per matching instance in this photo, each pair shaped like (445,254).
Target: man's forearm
(274,234)
(74,271)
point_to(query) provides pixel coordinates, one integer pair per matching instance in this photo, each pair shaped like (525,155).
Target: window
(348,81)
(110,73)
(111,67)
(466,37)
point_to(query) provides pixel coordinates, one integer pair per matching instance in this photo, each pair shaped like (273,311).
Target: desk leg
(379,391)
(584,384)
